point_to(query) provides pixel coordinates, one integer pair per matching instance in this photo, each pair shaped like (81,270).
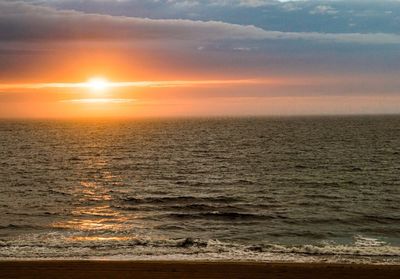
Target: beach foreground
(181,269)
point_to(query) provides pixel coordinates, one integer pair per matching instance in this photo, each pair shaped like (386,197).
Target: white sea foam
(363,241)
(62,246)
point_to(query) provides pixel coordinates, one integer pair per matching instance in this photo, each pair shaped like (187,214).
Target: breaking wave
(61,245)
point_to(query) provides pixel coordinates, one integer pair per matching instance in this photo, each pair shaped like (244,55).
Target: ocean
(292,189)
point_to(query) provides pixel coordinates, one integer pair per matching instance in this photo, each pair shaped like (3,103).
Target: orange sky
(210,98)
(182,67)
(56,87)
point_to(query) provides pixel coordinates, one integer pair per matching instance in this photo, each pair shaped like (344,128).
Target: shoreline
(189,269)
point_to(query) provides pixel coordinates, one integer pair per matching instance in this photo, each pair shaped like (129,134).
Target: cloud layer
(323,16)
(25,22)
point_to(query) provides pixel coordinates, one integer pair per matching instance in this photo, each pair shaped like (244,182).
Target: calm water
(295,189)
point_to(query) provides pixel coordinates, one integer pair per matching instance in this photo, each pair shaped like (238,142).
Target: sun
(97,83)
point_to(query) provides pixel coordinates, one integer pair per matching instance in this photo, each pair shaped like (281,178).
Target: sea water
(305,189)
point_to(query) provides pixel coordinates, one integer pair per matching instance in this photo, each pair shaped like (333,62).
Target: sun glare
(97,83)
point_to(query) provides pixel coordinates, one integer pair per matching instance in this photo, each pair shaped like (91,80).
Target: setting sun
(97,83)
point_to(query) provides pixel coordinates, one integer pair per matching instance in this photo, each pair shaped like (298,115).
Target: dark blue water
(295,189)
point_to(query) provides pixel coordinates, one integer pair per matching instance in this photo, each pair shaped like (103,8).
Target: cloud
(238,3)
(98,101)
(159,83)
(20,21)
(252,3)
(184,4)
(323,10)
(24,22)
(291,7)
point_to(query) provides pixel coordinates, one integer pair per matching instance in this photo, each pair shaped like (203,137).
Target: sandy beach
(175,269)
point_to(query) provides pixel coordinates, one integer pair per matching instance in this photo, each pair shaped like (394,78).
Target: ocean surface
(306,189)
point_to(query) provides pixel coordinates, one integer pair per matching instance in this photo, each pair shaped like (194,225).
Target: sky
(162,58)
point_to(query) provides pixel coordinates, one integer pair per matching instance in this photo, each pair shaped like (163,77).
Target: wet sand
(182,269)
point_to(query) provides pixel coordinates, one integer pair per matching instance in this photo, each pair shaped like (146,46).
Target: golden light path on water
(94,215)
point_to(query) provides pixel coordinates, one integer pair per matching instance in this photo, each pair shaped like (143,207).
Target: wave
(203,207)
(220,216)
(382,219)
(58,245)
(179,199)
(15,226)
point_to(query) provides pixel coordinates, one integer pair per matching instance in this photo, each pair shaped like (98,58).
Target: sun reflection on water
(93,192)
(93,215)
(101,238)
(97,218)
(94,218)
